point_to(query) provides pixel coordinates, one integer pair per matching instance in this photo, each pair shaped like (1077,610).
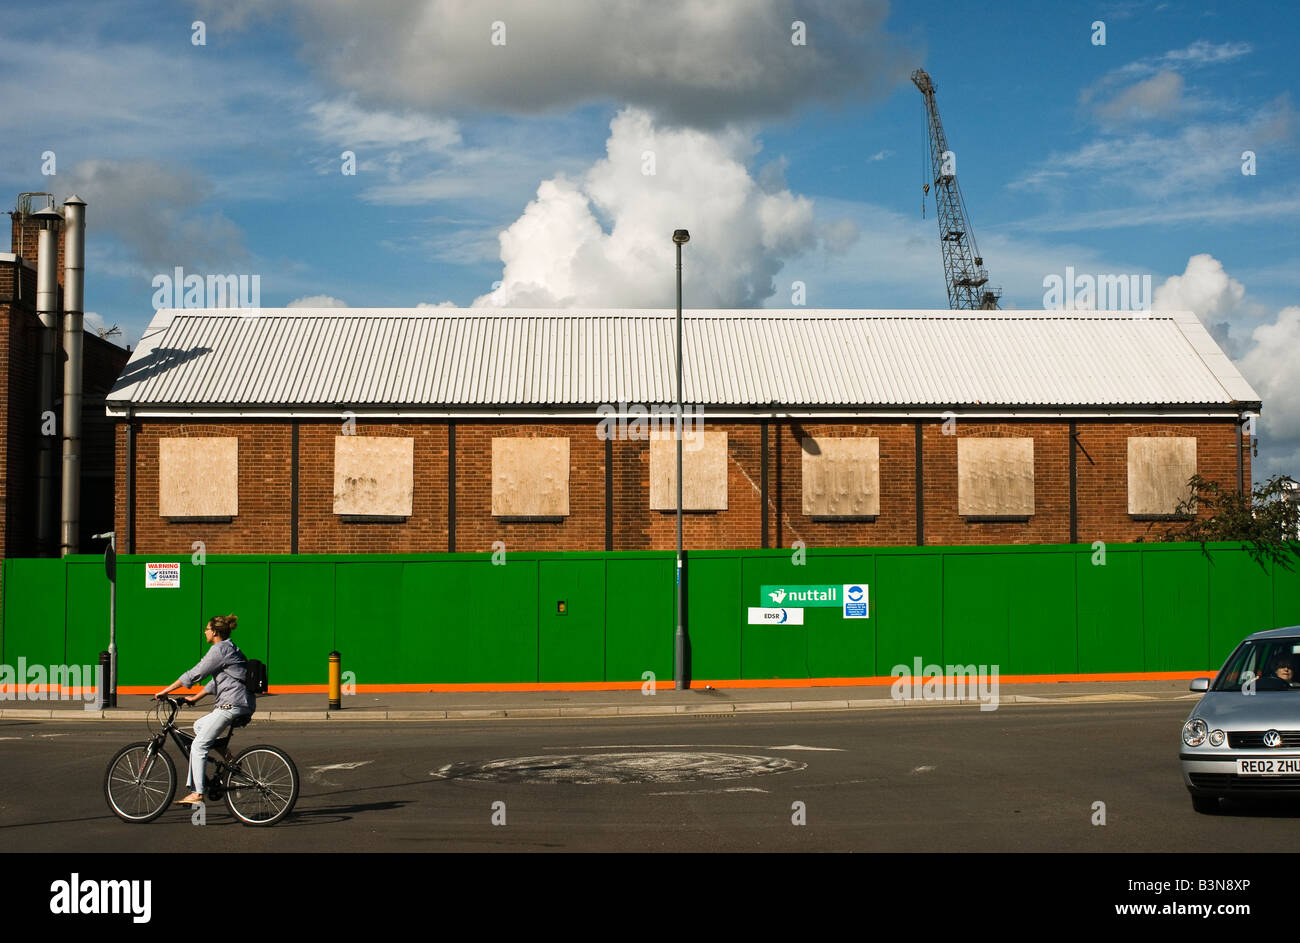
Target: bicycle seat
(240,721)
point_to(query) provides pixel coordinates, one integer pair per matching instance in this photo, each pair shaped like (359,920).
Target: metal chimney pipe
(47,309)
(74,273)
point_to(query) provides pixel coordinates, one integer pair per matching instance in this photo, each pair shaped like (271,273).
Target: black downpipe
(779,489)
(609,493)
(762,464)
(1241,461)
(129,542)
(1074,494)
(920,491)
(451,487)
(293,490)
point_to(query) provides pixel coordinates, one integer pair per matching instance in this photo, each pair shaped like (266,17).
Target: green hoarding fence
(586,617)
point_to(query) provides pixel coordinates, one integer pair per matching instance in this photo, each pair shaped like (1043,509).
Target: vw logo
(1272,739)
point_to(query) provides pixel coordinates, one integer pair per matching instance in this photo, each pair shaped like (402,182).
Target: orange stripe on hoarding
(506,687)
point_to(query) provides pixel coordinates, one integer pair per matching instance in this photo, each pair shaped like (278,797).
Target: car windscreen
(1261,665)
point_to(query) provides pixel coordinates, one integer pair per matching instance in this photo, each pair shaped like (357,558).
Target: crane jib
(962,262)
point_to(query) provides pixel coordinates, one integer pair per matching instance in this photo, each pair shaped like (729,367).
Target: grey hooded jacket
(229,670)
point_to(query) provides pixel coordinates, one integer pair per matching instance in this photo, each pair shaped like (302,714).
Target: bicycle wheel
(139,783)
(261,785)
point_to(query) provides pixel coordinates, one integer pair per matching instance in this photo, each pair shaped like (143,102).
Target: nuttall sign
(849,597)
(827,596)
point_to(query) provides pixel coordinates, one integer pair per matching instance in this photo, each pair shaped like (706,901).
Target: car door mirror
(1199,684)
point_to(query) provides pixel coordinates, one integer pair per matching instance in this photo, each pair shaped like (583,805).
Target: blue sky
(515,172)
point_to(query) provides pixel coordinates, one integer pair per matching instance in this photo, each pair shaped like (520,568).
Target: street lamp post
(108,686)
(680,237)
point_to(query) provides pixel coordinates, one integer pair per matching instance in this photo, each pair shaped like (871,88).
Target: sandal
(192,799)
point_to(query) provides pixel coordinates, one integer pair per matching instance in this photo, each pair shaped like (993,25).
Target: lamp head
(681,236)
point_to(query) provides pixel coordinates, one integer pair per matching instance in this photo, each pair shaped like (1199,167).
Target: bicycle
(260,785)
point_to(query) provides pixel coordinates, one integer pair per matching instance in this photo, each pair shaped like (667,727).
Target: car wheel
(1206,805)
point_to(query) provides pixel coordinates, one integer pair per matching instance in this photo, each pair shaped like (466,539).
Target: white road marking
(700,792)
(618,768)
(315,776)
(321,769)
(656,746)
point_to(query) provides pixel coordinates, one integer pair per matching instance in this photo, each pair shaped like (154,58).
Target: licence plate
(1277,767)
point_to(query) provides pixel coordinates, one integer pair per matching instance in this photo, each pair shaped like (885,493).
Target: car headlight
(1194,732)
(1216,738)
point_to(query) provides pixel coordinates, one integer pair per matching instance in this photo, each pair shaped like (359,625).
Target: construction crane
(962,263)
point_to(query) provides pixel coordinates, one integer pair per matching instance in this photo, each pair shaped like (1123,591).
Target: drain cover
(612,768)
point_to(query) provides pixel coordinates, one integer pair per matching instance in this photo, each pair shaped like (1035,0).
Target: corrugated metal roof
(398,357)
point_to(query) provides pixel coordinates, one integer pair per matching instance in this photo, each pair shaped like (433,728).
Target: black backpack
(255,677)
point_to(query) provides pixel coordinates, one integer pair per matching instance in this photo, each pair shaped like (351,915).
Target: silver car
(1243,737)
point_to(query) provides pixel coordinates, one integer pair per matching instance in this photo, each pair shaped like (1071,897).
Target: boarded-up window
(530,478)
(198,477)
(704,472)
(995,477)
(373,476)
(841,477)
(1158,469)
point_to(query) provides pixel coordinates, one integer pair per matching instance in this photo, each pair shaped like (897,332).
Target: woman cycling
(229,670)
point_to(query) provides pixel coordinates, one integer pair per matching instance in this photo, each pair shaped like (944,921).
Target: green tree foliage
(1266,518)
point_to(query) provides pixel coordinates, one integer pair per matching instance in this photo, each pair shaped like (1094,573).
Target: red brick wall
(262,524)
(1102,473)
(320,530)
(636,527)
(264,489)
(21,429)
(477,529)
(1050,522)
(24,237)
(896,523)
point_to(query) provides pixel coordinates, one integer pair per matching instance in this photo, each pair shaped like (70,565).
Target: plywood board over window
(1158,469)
(995,477)
(530,477)
(198,477)
(704,471)
(841,477)
(373,476)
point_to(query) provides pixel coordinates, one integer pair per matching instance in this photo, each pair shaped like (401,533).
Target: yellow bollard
(336,675)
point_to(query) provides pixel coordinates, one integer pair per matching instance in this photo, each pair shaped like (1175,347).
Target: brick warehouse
(20,351)
(429,430)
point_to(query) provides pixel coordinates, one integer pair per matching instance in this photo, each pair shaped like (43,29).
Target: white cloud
(1203,156)
(154,209)
(1160,96)
(1268,360)
(344,123)
(558,254)
(1202,52)
(1226,211)
(691,63)
(1204,287)
(1271,368)
(440,304)
(317,301)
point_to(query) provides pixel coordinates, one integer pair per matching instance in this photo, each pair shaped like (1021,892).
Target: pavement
(458,706)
